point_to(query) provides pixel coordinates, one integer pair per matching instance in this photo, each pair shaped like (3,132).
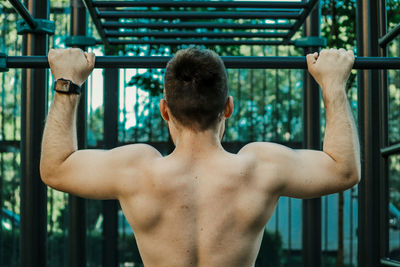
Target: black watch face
(62,86)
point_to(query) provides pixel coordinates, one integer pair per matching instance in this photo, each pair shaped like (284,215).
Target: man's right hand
(71,64)
(331,68)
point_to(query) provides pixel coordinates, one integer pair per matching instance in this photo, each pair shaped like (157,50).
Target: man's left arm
(98,174)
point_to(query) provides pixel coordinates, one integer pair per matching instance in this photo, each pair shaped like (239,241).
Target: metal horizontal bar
(389,262)
(216,4)
(390,150)
(311,4)
(96,20)
(189,34)
(196,25)
(115,41)
(53,10)
(388,37)
(24,13)
(230,62)
(198,15)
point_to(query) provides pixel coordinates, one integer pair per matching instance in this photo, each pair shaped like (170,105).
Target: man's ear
(164,110)
(229,108)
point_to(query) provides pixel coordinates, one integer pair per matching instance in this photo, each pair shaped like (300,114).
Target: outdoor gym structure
(113,21)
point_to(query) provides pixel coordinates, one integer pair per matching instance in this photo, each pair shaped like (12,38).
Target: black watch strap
(66,87)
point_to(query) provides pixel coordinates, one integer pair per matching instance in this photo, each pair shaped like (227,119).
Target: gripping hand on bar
(331,69)
(71,64)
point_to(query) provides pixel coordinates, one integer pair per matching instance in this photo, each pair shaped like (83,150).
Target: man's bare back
(205,211)
(200,205)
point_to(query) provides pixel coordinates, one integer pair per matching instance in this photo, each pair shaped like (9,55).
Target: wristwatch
(66,87)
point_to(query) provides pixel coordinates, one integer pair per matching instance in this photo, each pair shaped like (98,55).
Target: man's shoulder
(263,148)
(138,151)
(267,159)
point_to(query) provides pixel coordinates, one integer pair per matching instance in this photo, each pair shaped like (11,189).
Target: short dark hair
(196,89)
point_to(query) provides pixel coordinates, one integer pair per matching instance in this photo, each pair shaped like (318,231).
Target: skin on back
(201,206)
(207,211)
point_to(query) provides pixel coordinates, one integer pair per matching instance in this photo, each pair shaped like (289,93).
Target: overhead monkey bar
(185,34)
(230,62)
(171,41)
(214,4)
(106,15)
(196,25)
(198,14)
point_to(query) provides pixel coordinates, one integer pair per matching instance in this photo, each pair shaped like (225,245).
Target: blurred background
(268,107)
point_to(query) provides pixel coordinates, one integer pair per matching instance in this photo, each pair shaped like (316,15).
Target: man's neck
(197,142)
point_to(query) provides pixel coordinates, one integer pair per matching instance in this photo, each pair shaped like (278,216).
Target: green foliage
(338,25)
(112,50)
(394,94)
(59,3)
(150,81)
(95,126)
(393,12)
(57,211)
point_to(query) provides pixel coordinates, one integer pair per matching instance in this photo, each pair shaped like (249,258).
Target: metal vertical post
(277,100)
(239,97)
(2,122)
(368,118)
(384,140)
(33,112)
(77,209)
(110,207)
(312,140)
(251,130)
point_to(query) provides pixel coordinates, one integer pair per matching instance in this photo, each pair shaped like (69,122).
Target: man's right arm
(310,173)
(97,174)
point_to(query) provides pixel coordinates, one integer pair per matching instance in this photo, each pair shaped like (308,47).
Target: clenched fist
(71,64)
(331,68)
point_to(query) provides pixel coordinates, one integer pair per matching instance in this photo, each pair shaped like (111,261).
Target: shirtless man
(200,205)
